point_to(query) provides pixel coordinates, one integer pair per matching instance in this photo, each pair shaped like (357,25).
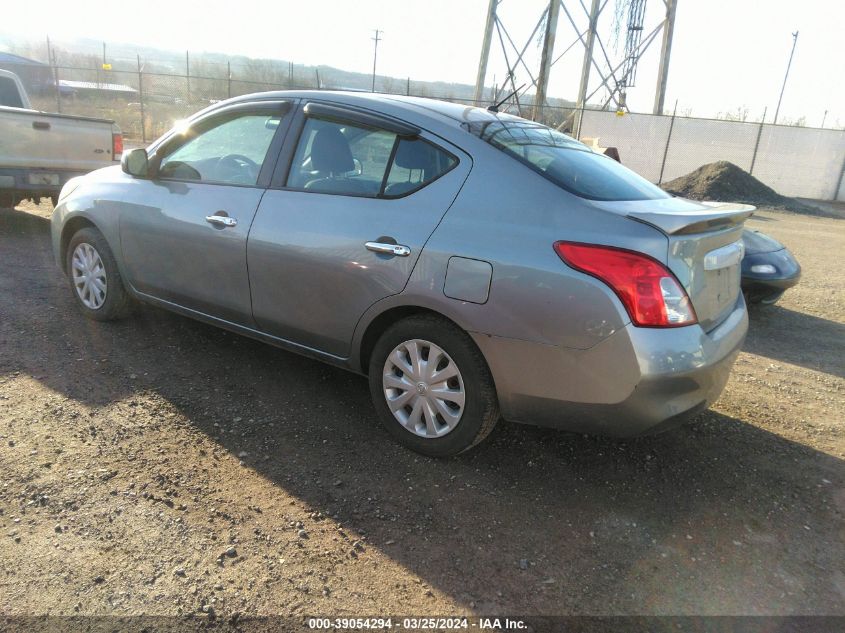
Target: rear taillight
(649,291)
(116,145)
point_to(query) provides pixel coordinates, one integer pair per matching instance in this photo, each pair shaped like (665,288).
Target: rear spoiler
(717,216)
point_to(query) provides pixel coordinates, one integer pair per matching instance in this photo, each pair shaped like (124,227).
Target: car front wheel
(431,387)
(95,281)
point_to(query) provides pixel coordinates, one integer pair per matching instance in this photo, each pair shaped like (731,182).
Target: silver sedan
(474,265)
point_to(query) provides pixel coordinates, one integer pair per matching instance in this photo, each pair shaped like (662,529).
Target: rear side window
(9,94)
(340,158)
(416,164)
(344,158)
(566,162)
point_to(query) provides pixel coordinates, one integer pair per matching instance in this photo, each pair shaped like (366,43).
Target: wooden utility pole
(375,56)
(786,76)
(141,100)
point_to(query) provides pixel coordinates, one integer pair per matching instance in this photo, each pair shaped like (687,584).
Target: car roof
(447,112)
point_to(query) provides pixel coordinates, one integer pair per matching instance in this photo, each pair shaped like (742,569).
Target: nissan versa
(472,264)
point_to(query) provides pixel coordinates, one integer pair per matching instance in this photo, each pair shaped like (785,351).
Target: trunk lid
(704,248)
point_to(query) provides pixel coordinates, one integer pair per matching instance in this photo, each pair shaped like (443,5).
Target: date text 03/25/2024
(420,624)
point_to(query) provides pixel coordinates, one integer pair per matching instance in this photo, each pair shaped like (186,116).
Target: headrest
(415,155)
(330,152)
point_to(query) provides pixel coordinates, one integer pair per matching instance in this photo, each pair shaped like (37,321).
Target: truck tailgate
(32,139)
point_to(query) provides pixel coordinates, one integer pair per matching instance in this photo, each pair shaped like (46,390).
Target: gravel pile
(725,182)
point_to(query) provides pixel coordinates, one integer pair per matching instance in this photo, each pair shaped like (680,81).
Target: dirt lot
(161,466)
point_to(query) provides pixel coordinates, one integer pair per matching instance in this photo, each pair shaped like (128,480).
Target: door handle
(40,125)
(221,220)
(388,249)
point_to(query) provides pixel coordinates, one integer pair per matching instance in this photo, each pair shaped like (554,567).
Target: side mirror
(135,163)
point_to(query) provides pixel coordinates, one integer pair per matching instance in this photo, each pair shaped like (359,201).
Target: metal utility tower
(616,76)
(633,36)
(587,64)
(546,59)
(485,50)
(665,53)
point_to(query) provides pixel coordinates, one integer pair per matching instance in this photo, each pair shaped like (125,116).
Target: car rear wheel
(95,281)
(431,387)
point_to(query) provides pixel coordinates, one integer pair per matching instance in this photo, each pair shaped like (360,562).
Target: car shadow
(716,517)
(781,334)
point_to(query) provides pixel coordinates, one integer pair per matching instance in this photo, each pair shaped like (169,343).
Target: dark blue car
(768,268)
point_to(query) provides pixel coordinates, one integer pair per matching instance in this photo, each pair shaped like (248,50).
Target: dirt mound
(725,182)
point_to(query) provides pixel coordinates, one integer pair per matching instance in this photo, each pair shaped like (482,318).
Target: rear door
(344,225)
(183,233)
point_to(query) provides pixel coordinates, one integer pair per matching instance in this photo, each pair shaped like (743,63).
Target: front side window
(566,162)
(344,158)
(231,152)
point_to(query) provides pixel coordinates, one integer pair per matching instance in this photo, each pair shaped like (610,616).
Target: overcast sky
(726,54)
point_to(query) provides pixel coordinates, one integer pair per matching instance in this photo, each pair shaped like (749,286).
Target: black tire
(118,303)
(481,406)
(772,298)
(761,298)
(7,200)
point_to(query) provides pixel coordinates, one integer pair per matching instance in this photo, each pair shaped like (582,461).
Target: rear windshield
(565,161)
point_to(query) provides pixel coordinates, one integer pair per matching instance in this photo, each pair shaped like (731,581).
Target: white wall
(794,161)
(801,162)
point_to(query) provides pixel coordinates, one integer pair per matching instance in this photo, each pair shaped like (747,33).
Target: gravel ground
(161,466)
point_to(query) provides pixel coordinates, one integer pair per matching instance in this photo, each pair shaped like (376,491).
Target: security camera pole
(375,56)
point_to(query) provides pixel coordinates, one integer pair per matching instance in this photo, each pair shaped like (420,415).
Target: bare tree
(739,114)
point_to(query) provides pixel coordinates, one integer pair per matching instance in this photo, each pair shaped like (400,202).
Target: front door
(184,232)
(345,231)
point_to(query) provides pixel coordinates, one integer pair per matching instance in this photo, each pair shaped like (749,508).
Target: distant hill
(87,53)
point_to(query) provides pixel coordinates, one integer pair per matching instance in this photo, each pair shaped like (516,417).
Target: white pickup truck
(40,152)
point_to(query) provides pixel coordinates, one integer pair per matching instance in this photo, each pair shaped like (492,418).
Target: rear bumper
(635,382)
(773,283)
(35,182)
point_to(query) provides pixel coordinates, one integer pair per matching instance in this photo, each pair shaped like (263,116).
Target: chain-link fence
(794,161)
(146,103)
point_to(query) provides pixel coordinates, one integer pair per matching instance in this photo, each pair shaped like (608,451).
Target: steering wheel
(239,166)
